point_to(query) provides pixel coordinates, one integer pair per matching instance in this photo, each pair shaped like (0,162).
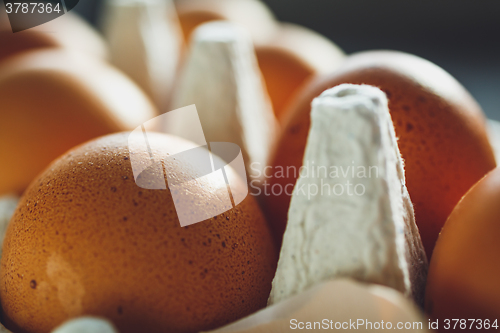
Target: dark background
(462,36)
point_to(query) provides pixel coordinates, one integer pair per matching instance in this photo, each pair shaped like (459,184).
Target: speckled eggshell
(86,240)
(464,273)
(441,130)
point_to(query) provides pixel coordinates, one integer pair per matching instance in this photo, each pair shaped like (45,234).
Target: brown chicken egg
(68,31)
(250,14)
(292,56)
(441,130)
(87,240)
(52,100)
(464,273)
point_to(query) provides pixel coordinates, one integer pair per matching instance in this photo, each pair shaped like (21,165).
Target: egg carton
(80,325)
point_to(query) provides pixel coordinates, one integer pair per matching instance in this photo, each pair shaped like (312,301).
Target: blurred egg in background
(454,34)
